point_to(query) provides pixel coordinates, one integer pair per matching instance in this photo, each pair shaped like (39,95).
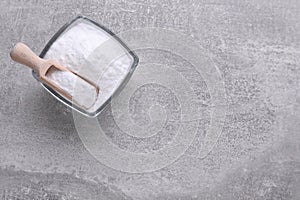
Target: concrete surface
(255,46)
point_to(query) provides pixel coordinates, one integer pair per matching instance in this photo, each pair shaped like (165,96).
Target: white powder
(93,53)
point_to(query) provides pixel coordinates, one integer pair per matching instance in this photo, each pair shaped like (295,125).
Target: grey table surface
(253,152)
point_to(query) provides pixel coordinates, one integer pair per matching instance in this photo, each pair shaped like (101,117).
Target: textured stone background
(254,44)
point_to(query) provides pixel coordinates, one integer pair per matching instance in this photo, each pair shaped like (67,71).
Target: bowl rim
(117,91)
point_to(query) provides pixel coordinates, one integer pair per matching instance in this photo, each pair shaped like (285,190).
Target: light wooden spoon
(22,54)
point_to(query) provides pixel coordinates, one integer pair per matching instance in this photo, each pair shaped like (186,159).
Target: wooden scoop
(24,55)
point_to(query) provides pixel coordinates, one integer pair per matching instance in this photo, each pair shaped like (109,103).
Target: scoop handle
(22,54)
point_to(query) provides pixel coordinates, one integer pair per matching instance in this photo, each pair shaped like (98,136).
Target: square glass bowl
(67,39)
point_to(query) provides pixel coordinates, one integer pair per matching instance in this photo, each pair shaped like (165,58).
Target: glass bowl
(102,30)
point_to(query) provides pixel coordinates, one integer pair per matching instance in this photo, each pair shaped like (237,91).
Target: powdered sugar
(93,53)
